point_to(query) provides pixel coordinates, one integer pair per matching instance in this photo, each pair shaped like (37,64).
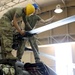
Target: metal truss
(5,4)
(57,39)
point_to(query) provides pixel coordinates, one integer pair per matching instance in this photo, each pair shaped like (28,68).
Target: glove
(28,34)
(17,36)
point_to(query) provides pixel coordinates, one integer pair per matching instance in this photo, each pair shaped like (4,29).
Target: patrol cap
(30,9)
(36,6)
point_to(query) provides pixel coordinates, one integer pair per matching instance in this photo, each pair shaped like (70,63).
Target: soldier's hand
(22,32)
(28,34)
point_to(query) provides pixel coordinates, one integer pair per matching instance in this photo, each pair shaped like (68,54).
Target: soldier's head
(30,9)
(36,7)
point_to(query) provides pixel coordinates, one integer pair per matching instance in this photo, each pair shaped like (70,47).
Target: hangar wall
(64,33)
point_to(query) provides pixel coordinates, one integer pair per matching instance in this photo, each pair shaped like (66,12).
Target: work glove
(17,36)
(28,34)
(21,37)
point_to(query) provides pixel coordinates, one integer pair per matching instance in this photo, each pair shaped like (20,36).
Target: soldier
(30,24)
(6,28)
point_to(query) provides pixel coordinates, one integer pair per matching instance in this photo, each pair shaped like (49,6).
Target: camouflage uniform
(8,70)
(6,31)
(32,20)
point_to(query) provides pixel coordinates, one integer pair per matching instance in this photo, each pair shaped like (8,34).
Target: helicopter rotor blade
(53,25)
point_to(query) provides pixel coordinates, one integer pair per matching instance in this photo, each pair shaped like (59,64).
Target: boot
(10,56)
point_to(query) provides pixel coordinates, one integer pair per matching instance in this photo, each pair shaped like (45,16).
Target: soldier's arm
(48,20)
(22,32)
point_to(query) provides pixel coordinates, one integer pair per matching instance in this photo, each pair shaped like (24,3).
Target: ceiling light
(58,9)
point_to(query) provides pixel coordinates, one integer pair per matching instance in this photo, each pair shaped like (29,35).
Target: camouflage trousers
(6,32)
(33,44)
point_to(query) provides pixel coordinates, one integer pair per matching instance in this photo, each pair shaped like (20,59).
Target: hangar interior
(56,46)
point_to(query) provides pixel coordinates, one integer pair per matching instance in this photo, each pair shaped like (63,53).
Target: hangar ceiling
(8,4)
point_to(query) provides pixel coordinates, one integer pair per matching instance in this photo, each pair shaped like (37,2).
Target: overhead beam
(53,6)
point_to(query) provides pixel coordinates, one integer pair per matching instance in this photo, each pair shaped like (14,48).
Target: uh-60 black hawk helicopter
(14,67)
